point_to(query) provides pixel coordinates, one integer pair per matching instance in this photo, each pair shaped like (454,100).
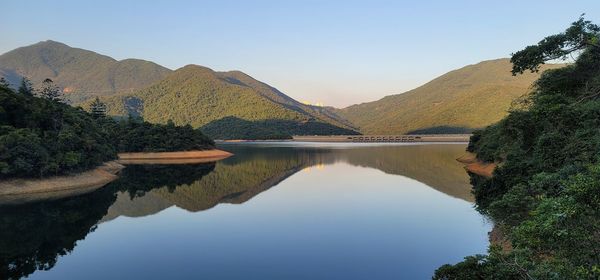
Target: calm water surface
(273,211)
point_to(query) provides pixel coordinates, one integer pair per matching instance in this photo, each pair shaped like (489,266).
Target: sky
(336,53)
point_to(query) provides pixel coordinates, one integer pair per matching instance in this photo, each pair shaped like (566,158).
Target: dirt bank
(16,191)
(497,237)
(173,157)
(473,165)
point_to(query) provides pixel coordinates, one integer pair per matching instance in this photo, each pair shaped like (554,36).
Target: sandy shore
(473,165)
(173,157)
(17,191)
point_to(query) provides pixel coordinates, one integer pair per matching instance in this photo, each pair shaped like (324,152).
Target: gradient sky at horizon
(333,52)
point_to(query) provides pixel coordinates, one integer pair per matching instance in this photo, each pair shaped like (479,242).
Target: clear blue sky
(335,52)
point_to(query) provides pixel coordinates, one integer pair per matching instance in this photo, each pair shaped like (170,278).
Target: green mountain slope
(471,97)
(227,105)
(80,73)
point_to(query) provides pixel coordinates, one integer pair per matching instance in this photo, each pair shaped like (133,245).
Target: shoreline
(18,191)
(25,190)
(186,157)
(475,166)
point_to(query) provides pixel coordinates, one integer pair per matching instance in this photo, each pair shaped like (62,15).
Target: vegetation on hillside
(41,136)
(545,193)
(135,135)
(226,105)
(81,73)
(459,101)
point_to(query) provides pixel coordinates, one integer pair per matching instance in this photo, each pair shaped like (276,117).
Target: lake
(277,210)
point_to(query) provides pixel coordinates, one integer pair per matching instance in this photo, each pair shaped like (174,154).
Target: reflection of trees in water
(33,236)
(234,180)
(139,179)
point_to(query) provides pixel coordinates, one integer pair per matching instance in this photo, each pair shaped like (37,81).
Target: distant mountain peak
(81,73)
(52,42)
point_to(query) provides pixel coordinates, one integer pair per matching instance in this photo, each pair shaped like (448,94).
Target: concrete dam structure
(384,138)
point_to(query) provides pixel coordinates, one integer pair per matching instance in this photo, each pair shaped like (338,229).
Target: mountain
(80,73)
(459,101)
(226,105)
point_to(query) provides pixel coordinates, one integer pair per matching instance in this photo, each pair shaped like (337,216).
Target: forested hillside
(544,195)
(226,105)
(459,101)
(80,73)
(41,136)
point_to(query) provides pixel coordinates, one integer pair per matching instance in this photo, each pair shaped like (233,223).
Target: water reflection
(33,236)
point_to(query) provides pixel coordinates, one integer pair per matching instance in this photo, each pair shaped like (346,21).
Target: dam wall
(384,138)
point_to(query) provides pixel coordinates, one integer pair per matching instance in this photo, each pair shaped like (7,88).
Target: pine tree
(25,88)
(50,91)
(98,108)
(4,84)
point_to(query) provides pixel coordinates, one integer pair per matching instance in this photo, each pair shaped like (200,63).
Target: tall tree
(581,35)
(50,91)
(4,84)
(98,108)
(25,88)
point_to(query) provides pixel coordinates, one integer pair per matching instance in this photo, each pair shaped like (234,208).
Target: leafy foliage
(134,135)
(98,109)
(545,193)
(40,137)
(25,88)
(236,128)
(50,91)
(579,36)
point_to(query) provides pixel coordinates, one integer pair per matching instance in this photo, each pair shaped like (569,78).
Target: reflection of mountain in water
(433,165)
(254,170)
(33,236)
(234,180)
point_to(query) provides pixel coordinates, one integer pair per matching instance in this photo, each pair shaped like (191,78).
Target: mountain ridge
(81,73)
(459,101)
(192,94)
(224,105)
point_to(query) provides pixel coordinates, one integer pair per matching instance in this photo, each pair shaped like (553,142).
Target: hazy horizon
(335,53)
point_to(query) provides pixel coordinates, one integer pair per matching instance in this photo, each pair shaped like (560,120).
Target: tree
(581,35)
(98,108)
(50,91)
(544,194)
(4,84)
(25,88)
